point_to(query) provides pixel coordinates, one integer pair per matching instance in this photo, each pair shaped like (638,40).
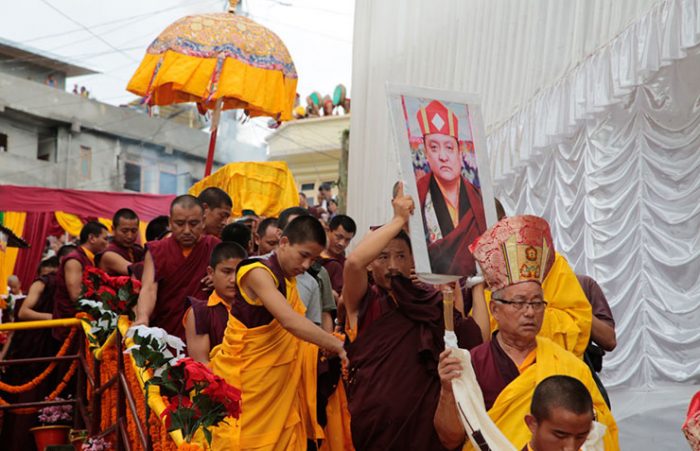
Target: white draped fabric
(604,144)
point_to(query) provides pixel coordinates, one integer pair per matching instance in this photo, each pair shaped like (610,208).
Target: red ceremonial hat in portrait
(437,118)
(516,249)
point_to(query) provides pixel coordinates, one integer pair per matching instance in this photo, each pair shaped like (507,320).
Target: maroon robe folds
(209,319)
(335,266)
(450,254)
(29,344)
(134,254)
(63,306)
(493,368)
(393,387)
(178,277)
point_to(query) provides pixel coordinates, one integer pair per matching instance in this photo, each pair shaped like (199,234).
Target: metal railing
(88,414)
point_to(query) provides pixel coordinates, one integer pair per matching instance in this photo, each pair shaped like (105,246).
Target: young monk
(93,241)
(270,349)
(123,251)
(205,321)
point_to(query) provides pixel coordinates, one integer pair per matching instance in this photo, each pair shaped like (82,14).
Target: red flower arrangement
(118,294)
(197,398)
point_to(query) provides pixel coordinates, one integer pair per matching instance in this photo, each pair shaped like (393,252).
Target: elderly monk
(515,255)
(123,251)
(217,210)
(396,329)
(270,349)
(69,279)
(175,268)
(453,211)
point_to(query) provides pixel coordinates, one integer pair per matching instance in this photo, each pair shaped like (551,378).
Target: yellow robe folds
(568,316)
(511,406)
(276,373)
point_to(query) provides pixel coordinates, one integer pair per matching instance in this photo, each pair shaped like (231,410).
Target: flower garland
(52,396)
(40,378)
(108,369)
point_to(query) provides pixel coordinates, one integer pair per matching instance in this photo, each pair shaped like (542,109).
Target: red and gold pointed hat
(516,249)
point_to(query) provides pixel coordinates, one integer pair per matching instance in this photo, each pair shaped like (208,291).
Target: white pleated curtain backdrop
(603,143)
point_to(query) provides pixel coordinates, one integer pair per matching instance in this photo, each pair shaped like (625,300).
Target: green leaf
(207,435)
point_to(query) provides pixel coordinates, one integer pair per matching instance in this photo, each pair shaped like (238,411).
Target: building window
(307,186)
(3,142)
(46,148)
(132,177)
(85,163)
(167,183)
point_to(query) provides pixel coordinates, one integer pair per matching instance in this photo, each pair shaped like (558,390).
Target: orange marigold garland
(40,378)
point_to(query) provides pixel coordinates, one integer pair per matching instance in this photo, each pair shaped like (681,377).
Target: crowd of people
(335,350)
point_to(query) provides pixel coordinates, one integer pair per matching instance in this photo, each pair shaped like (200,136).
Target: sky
(112,37)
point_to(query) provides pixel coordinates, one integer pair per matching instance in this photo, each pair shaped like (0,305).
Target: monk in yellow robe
(509,367)
(270,349)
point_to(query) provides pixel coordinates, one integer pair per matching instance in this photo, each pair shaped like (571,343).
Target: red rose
(176,403)
(196,373)
(120,281)
(104,293)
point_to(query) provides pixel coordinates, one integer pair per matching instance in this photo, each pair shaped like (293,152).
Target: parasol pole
(212,137)
(448,302)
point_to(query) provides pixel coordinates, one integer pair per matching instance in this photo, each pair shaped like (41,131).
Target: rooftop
(22,52)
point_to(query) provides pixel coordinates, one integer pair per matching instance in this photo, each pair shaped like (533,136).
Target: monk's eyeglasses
(536,305)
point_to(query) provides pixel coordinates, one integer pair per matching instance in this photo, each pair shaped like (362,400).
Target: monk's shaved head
(565,392)
(65,250)
(186,201)
(124,214)
(227,250)
(304,229)
(215,198)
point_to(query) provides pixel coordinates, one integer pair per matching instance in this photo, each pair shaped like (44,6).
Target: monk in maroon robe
(175,268)
(123,251)
(205,320)
(38,305)
(341,230)
(450,254)
(93,241)
(396,328)
(217,210)
(451,207)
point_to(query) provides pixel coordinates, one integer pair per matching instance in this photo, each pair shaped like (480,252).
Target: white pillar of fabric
(504,50)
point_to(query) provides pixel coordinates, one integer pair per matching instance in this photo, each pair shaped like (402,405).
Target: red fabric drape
(99,204)
(36,229)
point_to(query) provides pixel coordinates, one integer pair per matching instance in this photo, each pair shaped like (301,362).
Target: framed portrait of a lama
(444,166)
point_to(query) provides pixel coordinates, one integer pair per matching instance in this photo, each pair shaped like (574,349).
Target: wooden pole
(213,133)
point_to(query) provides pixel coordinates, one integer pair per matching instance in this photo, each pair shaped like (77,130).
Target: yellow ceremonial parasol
(221,61)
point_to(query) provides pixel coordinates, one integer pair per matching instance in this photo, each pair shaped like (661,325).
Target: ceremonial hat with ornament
(517,249)
(437,118)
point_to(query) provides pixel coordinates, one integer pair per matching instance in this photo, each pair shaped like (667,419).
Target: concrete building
(51,137)
(311,148)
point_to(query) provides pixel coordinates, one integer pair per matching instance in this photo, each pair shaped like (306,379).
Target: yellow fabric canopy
(264,187)
(13,220)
